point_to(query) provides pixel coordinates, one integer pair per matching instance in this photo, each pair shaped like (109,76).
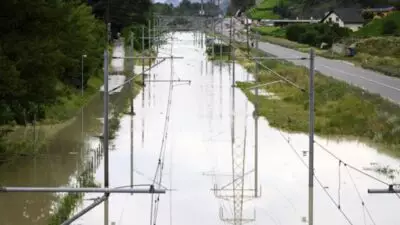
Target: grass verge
(340,109)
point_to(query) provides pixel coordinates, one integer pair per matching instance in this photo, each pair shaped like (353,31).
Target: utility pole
(154,35)
(132,138)
(311,143)
(257,105)
(222,33)
(233,63)
(213,33)
(247,36)
(150,47)
(143,55)
(230,38)
(105,127)
(133,69)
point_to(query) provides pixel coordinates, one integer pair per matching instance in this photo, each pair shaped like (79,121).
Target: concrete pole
(247,36)
(220,47)
(230,38)
(105,127)
(133,81)
(233,63)
(311,143)
(213,33)
(257,106)
(154,35)
(150,47)
(143,55)
(82,93)
(132,137)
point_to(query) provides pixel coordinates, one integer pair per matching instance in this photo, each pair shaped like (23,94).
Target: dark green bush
(389,27)
(315,34)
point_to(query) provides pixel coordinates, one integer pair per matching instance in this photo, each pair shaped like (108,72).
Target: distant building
(345,17)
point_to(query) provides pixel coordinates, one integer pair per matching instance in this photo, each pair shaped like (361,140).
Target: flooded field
(196,157)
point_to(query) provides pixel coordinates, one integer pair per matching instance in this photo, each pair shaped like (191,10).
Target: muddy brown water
(198,155)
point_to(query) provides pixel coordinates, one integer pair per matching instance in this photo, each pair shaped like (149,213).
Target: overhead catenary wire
(255,59)
(349,165)
(160,164)
(319,182)
(359,196)
(316,178)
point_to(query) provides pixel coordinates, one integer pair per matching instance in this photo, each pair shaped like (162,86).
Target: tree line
(186,8)
(41,46)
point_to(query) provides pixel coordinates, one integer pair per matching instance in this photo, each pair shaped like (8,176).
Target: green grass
(340,109)
(369,51)
(20,140)
(270,31)
(262,14)
(267,4)
(371,56)
(375,27)
(380,46)
(263,10)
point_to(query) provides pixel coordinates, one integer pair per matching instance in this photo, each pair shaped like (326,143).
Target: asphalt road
(373,82)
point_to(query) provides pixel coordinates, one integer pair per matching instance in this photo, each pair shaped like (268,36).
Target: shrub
(315,34)
(368,15)
(293,31)
(389,27)
(309,37)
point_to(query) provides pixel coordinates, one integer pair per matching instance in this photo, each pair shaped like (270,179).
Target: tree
(41,43)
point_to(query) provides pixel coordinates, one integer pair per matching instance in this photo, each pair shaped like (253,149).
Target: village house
(345,17)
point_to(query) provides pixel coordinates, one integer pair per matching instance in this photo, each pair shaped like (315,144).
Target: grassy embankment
(374,51)
(340,109)
(263,10)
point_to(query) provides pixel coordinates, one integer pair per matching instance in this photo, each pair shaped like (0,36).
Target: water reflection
(199,144)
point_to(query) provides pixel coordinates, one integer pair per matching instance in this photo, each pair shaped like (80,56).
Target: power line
(350,166)
(359,195)
(160,165)
(316,178)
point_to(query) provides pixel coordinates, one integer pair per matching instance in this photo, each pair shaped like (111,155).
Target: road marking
(367,79)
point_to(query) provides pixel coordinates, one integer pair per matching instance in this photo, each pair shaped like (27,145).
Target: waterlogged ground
(198,156)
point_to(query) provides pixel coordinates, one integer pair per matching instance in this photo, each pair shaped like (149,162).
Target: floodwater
(197,157)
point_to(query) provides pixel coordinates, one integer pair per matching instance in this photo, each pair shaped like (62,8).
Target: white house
(345,17)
